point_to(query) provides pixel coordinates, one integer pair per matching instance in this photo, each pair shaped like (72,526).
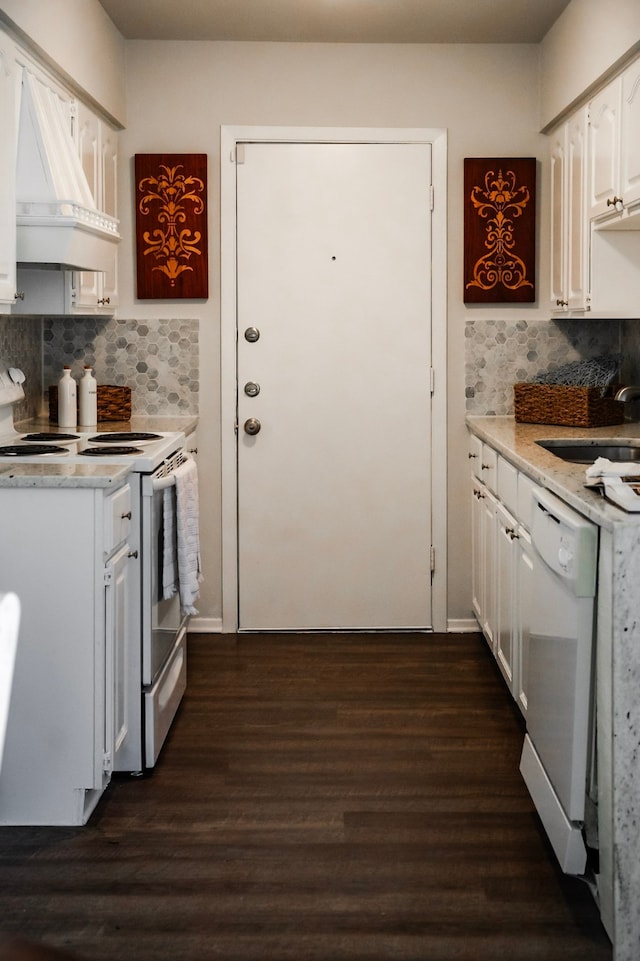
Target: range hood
(58,223)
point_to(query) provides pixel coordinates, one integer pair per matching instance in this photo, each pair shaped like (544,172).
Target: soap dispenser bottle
(67,400)
(88,398)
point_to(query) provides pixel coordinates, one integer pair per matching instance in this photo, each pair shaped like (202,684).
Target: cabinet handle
(615,202)
(104,300)
(478,495)
(19,295)
(485,466)
(562,303)
(132,554)
(471,456)
(126,517)
(193,450)
(511,534)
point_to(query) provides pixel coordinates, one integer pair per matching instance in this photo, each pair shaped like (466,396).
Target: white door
(334,272)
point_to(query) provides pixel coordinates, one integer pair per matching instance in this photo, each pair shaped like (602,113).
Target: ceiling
(337,21)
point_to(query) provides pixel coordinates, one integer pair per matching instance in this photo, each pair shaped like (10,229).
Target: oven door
(162,619)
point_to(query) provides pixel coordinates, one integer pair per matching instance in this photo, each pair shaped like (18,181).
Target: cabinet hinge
(432,559)
(107,762)
(432,380)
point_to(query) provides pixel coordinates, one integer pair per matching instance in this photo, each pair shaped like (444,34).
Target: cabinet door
(630,137)
(506,583)
(97,148)
(477,550)
(604,149)
(117,614)
(523,615)
(557,162)
(577,236)
(489,564)
(10,78)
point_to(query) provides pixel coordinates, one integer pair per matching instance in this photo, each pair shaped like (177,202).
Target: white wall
(178,96)
(80,39)
(586,42)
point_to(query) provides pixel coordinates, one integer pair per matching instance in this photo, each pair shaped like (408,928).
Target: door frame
(230,137)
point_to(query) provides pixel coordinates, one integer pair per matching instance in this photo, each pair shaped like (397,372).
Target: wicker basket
(565,406)
(114,403)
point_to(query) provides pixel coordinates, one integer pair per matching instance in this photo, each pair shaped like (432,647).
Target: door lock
(252,389)
(252,426)
(252,334)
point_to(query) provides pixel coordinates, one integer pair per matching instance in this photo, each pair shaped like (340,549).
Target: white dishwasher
(557,746)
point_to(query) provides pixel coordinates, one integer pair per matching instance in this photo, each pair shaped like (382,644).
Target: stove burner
(50,435)
(116,437)
(109,451)
(29,450)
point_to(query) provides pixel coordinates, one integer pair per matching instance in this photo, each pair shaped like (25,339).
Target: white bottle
(67,400)
(88,398)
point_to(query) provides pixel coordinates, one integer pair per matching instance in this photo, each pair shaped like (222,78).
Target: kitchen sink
(581,451)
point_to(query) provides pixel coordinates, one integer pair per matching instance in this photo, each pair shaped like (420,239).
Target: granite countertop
(139,422)
(62,475)
(517,443)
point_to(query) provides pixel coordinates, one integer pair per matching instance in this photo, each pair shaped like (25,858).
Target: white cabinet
(10,80)
(68,711)
(97,292)
(569,236)
(614,148)
(501,561)
(506,633)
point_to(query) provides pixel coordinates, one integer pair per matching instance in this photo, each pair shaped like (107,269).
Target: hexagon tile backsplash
(499,353)
(157,359)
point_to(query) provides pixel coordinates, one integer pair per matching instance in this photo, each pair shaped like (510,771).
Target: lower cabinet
(502,564)
(67,553)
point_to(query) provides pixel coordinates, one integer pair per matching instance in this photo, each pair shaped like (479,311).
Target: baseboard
(462,625)
(205,625)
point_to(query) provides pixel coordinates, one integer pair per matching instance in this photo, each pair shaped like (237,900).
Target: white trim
(205,625)
(462,626)
(230,136)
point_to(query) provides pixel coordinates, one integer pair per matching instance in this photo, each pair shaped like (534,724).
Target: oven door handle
(162,481)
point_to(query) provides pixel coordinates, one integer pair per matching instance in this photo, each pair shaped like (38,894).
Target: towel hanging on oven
(188,534)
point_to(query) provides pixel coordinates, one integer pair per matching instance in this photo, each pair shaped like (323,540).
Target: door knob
(252,426)
(252,334)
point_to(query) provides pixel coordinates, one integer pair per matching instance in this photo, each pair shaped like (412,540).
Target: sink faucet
(628,393)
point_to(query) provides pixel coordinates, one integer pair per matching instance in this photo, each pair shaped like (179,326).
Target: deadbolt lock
(252,334)
(252,389)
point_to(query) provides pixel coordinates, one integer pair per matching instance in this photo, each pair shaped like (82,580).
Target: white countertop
(517,443)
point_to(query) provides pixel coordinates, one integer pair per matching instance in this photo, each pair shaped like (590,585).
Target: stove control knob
(252,426)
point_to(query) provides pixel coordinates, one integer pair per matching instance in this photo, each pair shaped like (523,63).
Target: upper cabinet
(10,80)
(614,149)
(97,292)
(569,248)
(595,204)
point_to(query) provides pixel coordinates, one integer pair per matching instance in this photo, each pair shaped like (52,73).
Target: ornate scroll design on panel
(171,244)
(171,231)
(501,272)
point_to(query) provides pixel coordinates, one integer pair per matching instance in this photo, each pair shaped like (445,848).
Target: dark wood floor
(320,798)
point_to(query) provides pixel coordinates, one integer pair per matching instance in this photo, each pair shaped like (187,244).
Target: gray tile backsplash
(21,346)
(157,359)
(499,353)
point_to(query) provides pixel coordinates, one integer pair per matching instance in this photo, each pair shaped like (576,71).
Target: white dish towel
(169,544)
(188,534)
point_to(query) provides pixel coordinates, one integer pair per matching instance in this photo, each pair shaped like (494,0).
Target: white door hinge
(431,197)
(432,558)
(432,379)
(237,154)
